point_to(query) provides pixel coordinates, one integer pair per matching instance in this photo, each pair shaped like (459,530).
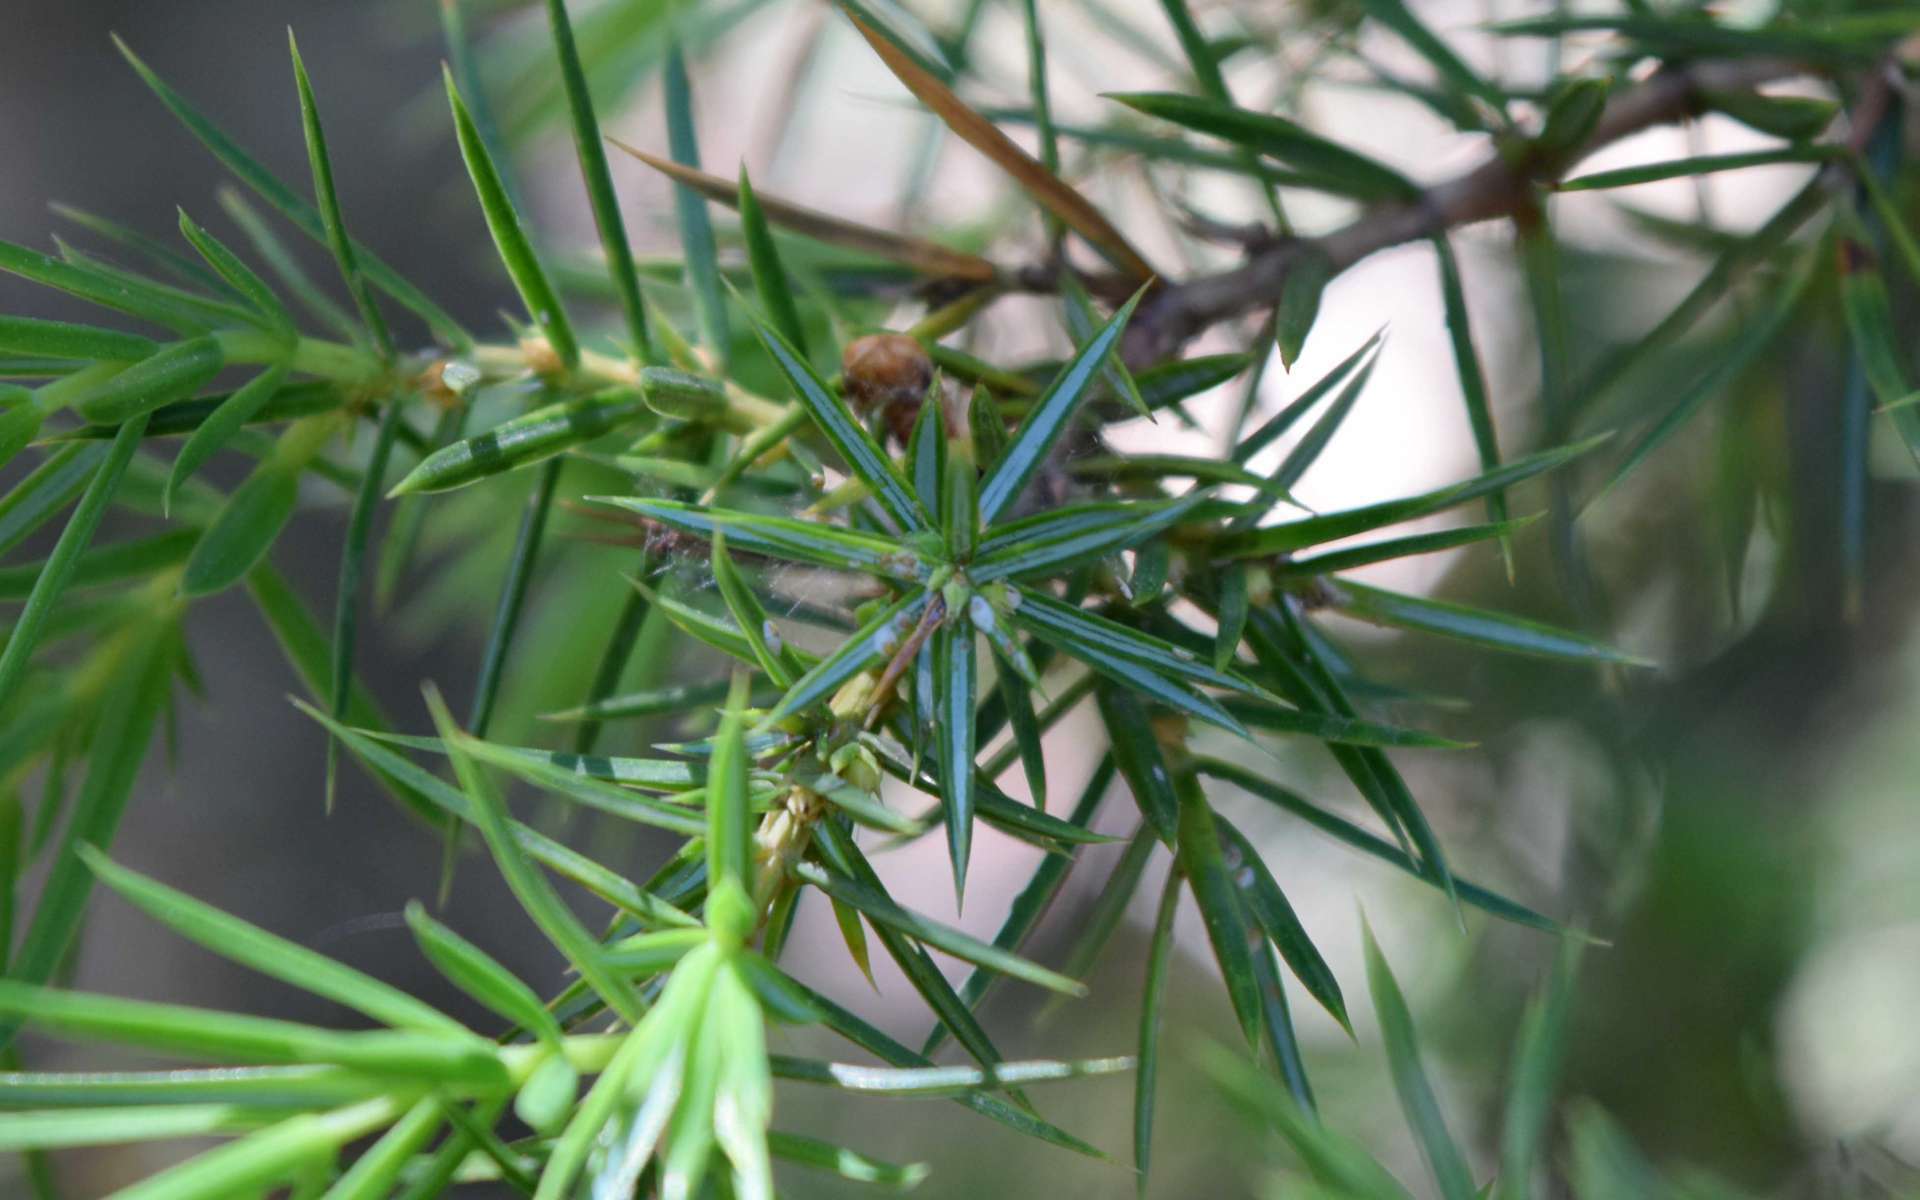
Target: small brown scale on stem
(889,374)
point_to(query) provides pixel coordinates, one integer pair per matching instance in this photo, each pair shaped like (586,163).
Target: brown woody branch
(1500,187)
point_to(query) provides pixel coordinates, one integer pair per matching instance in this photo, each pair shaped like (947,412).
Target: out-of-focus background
(1738,824)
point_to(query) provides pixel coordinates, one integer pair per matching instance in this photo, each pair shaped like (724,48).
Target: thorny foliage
(970,562)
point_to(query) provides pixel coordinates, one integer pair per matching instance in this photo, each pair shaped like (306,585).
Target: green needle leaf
(1758,333)
(1288,536)
(1713,287)
(1037,87)
(307,651)
(1473,382)
(1343,830)
(465,1059)
(743,1102)
(868,1038)
(884,913)
(696,229)
(249,945)
(174,372)
(783,537)
(1027,909)
(532,889)
(1795,118)
(61,564)
(1204,864)
(1092,636)
(246,1087)
(1280,644)
(609,885)
(513,595)
(1232,616)
(1171,382)
(1267,905)
(353,556)
(843,860)
(218,429)
(939,1081)
(926,453)
(281,197)
(1495,630)
(729,853)
(1017,697)
(1328,1156)
(254,515)
(1705,164)
(838,425)
(1456,74)
(1537,1055)
(583,777)
(1276,427)
(1410,1079)
(1136,751)
(1276,137)
(1573,112)
(1315,440)
(1395,548)
(238,274)
(1114,896)
(524,440)
(119,745)
(61,339)
(1152,1001)
(268,1157)
(105,564)
(122,291)
(1307,281)
(954,712)
(1082,324)
(1068,537)
(478,974)
(193,275)
(1064,630)
(286,268)
(329,205)
(1049,417)
(847,1164)
(516,251)
(1276,1023)
(21,1131)
(780,665)
(588,144)
(959,516)
(1204,58)
(1863,298)
(853,932)
(374,1174)
(769,277)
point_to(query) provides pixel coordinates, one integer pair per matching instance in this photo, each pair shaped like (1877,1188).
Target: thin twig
(1177,313)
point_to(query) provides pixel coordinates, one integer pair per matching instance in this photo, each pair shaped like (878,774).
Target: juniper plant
(1002,569)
